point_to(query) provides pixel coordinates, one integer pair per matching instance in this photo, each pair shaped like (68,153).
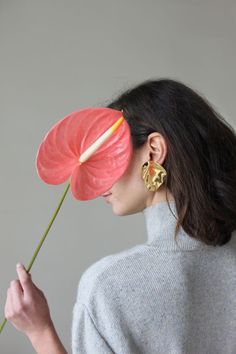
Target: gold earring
(153,175)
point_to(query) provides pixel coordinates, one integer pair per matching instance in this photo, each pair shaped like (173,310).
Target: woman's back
(159,297)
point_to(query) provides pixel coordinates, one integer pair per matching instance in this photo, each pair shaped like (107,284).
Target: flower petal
(58,155)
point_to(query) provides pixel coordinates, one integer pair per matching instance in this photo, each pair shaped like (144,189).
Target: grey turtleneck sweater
(159,297)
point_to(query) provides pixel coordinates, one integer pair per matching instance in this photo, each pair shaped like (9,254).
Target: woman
(176,292)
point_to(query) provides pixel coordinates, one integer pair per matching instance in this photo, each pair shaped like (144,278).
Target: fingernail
(19,265)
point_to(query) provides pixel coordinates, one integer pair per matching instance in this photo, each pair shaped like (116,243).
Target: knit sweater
(159,297)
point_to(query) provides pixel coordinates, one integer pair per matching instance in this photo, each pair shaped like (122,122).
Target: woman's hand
(26,306)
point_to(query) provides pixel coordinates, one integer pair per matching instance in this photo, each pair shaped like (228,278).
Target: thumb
(24,277)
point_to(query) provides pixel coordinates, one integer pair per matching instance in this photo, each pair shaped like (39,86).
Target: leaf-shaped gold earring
(153,175)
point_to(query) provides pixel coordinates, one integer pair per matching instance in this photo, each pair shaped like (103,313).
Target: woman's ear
(157,147)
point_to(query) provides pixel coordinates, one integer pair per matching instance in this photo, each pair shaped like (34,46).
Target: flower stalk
(43,239)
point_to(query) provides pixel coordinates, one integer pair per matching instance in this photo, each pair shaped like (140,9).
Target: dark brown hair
(201,153)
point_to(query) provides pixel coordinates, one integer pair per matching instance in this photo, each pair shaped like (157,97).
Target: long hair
(201,154)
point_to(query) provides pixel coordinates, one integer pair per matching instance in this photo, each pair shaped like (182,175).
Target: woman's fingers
(26,306)
(25,282)
(17,295)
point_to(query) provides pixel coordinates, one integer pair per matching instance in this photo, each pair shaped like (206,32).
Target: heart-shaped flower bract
(59,153)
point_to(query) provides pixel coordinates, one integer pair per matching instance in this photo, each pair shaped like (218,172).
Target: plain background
(61,56)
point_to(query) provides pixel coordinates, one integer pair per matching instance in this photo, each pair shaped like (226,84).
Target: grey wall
(61,56)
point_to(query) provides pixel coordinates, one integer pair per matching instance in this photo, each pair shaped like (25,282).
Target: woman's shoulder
(104,272)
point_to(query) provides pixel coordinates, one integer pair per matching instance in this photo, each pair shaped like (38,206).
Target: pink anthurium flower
(59,153)
(92,147)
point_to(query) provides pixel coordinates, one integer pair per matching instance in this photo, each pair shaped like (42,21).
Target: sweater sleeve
(86,338)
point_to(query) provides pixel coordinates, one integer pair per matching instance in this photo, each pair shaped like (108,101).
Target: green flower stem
(43,238)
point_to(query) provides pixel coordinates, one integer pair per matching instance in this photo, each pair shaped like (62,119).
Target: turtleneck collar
(160,226)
